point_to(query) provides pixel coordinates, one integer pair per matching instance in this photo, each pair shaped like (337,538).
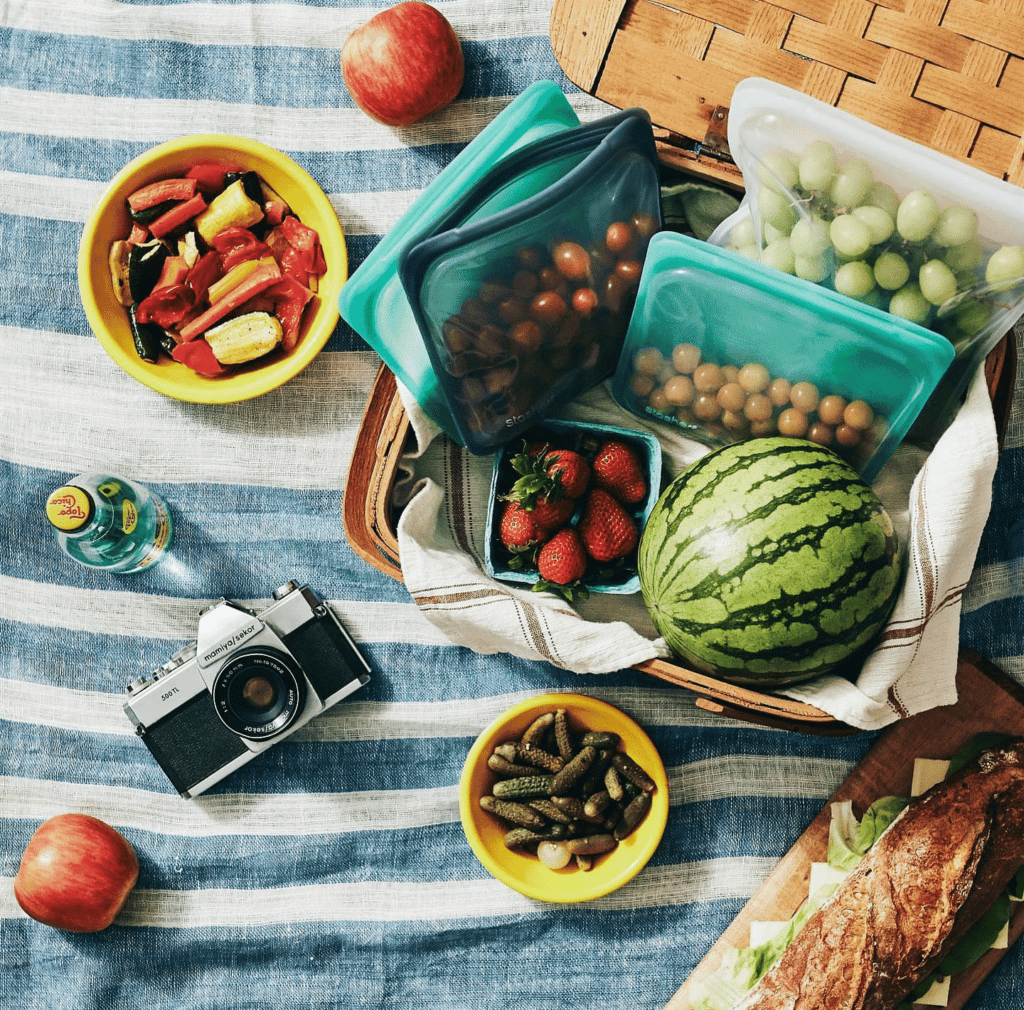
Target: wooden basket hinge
(708,157)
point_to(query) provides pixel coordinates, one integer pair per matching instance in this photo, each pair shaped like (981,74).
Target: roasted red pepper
(206,270)
(289,298)
(306,256)
(237,245)
(198,355)
(178,215)
(166,306)
(158,192)
(209,176)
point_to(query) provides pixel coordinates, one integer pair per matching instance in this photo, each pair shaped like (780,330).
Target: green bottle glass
(110,522)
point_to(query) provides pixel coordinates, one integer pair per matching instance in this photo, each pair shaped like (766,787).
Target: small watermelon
(768,562)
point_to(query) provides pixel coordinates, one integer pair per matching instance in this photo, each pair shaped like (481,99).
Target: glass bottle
(110,522)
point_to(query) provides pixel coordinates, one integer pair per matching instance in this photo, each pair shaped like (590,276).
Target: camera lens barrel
(258,693)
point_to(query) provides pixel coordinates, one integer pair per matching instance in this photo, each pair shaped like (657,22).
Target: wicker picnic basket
(947,74)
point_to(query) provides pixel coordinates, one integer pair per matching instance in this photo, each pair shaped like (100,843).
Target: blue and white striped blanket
(332,871)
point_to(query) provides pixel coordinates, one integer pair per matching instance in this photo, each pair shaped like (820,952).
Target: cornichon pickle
(600,739)
(549,810)
(635,812)
(631,771)
(567,778)
(536,730)
(597,804)
(563,736)
(514,813)
(613,784)
(525,788)
(507,769)
(541,758)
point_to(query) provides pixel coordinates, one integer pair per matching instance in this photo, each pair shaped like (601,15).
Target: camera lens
(258,693)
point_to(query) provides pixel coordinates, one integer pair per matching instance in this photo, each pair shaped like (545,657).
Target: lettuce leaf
(850,839)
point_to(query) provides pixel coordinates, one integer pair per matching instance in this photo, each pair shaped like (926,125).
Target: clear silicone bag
(524,291)
(845,204)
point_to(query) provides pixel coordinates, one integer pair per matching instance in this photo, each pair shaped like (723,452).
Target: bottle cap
(69,508)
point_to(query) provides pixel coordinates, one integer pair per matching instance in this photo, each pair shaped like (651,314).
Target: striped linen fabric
(331,871)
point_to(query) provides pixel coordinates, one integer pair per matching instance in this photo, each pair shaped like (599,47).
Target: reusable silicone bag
(523,308)
(899,225)
(373,302)
(710,324)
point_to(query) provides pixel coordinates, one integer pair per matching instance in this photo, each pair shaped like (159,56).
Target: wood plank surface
(989,701)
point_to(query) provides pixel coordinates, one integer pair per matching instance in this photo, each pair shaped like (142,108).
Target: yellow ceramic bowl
(109,221)
(524,872)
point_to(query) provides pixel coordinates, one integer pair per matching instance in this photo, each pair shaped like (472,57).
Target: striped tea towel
(938,502)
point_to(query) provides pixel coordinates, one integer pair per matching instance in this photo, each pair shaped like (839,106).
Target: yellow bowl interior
(109,221)
(524,872)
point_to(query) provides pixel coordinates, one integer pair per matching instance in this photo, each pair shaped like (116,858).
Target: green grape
(779,254)
(810,268)
(964,258)
(852,184)
(778,172)
(1005,267)
(936,282)
(809,237)
(884,196)
(891,271)
(855,279)
(750,250)
(908,303)
(917,215)
(879,222)
(972,317)
(817,165)
(956,225)
(850,236)
(743,233)
(771,233)
(776,210)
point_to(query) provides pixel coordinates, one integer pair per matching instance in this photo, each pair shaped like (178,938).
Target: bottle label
(129,516)
(161,536)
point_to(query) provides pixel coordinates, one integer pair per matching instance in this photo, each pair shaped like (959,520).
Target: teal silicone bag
(524,294)
(726,348)
(373,302)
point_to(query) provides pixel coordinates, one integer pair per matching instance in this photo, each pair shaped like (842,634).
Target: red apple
(404,64)
(76,873)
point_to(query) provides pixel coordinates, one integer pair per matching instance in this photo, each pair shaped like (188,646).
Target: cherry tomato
(629,270)
(526,334)
(548,308)
(584,301)
(571,260)
(529,257)
(620,237)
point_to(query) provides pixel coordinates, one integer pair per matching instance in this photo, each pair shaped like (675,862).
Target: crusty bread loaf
(924,883)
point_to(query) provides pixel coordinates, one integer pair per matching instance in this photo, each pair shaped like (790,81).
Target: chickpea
(831,409)
(648,361)
(847,436)
(859,415)
(641,385)
(804,396)
(820,432)
(707,377)
(758,408)
(778,392)
(705,407)
(685,358)
(754,377)
(793,423)
(732,398)
(679,390)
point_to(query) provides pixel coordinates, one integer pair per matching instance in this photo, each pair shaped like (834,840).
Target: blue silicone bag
(708,318)
(373,301)
(523,308)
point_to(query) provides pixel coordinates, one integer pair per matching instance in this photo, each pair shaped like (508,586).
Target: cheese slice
(762,932)
(937,994)
(927,773)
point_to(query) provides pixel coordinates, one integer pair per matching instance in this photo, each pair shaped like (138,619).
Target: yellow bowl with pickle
(110,221)
(519,867)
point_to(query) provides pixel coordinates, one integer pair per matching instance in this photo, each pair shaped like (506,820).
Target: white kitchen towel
(939,503)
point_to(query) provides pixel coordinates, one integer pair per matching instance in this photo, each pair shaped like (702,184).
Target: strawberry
(548,515)
(562,559)
(517,530)
(606,529)
(554,474)
(561,564)
(617,470)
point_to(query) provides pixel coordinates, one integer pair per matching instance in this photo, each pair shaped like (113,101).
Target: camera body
(249,680)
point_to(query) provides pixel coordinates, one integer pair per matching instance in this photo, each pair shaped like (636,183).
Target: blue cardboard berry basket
(583,438)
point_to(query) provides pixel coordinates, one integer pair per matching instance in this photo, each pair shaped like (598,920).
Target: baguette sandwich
(929,877)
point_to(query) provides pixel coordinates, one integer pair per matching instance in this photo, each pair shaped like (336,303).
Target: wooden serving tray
(989,701)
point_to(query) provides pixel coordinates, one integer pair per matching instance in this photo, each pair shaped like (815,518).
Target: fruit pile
(832,221)
(572,513)
(559,309)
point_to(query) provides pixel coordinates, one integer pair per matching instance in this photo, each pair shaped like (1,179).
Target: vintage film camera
(249,681)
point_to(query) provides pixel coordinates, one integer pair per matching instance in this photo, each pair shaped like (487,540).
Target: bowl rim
(243,385)
(585,887)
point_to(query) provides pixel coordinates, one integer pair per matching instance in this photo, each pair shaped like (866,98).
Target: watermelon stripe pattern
(768,562)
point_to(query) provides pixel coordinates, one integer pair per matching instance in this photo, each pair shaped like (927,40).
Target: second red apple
(404,64)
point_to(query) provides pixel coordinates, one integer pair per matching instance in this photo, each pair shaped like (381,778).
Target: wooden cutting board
(989,701)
